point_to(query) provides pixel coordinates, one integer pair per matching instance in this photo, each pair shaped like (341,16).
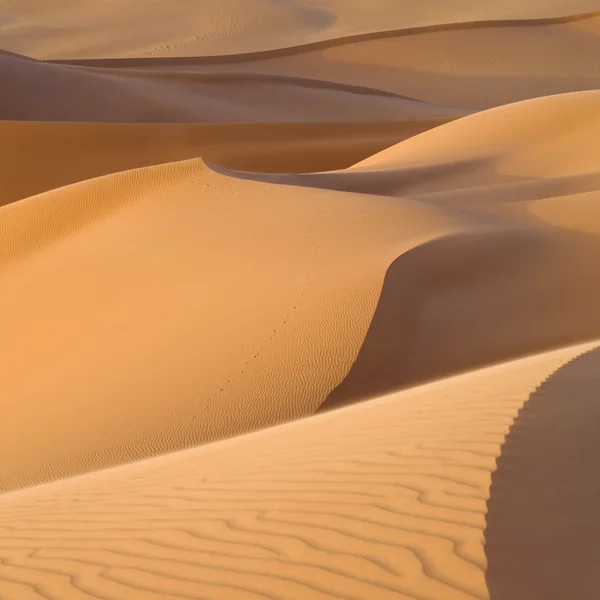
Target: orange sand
(299,299)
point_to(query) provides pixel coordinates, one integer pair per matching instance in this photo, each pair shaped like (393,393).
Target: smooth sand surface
(299,299)
(78,28)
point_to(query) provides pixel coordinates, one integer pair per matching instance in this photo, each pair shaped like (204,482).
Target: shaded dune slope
(392,505)
(77,93)
(543,507)
(470,299)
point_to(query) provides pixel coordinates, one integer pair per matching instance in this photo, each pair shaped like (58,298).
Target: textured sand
(386,499)
(222,220)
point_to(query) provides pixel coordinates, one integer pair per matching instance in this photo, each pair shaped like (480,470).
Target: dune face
(386,499)
(299,299)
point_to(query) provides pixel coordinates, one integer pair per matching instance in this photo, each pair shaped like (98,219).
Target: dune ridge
(299,299)
(393,505)
(538,478)
(266,147)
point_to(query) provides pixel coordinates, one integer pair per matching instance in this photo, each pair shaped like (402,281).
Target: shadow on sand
(472,299)
(543,524)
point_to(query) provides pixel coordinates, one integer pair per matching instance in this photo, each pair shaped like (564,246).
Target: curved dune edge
(528,150)
(328,43)
(386,499)
(542,520)
(516,137)
(37,157)
(475,298)
(218,305)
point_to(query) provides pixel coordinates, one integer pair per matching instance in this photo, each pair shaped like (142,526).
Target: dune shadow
(543,523)
(472,299)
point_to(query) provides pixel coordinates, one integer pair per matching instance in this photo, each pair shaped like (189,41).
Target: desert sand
(299,299)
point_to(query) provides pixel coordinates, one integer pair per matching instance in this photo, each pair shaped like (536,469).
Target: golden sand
(299,299)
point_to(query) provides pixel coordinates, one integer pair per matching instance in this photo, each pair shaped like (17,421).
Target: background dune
(80,93)
(219,217)
(70,28)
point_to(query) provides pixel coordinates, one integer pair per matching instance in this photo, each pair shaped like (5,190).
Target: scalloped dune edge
(543,476)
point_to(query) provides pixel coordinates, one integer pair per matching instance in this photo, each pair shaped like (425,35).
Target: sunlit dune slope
(172,306)
(543,137)
(386,500)
(528,150)
(77,28)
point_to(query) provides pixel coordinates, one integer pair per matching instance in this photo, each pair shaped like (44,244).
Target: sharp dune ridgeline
(299,300)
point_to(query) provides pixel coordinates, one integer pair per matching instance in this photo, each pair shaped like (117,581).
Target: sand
(385,499)
(299,299)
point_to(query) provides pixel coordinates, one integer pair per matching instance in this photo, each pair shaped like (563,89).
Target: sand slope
(188,285)
(80,93)
(37,157)
(209,284)
(70,28)
(224,222)
(386,499)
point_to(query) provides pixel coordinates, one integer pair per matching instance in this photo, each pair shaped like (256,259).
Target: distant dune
(299,299)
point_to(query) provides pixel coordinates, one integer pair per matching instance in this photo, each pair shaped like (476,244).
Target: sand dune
(386,499)
(197,279)
(224,222)
(458,66)
(225,26)
(553,434)
(111,95)
(37,157)
(549,141)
